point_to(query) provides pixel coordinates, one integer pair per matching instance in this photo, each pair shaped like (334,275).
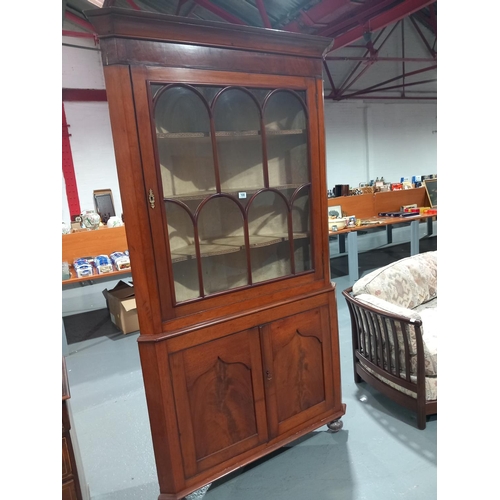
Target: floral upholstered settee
(393,314)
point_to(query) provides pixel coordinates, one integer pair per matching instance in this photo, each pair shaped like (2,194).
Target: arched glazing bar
(238,122)
(223,237)
(184,132)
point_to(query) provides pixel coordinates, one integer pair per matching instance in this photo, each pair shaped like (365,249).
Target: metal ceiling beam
(379,85)
(317,13)
(333,90)
(223,14)
(392,87)
(263,13)
(78,34)
(382,59)
(389,98)
(347,81)
(433,21)
(73,18)
(390,16)
(354,18)
(419,31)
(133,5)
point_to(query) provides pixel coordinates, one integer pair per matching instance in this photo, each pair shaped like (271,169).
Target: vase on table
(90,219)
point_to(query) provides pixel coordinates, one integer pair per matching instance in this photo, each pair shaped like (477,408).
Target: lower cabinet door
(297,355)
(219,398)
(69,491)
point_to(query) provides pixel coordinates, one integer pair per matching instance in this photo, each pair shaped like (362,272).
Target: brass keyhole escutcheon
(151,198)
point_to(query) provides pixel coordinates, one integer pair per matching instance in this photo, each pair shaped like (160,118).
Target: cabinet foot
(335,425)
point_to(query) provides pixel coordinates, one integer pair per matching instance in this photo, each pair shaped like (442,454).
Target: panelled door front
(219,396)
(297,368)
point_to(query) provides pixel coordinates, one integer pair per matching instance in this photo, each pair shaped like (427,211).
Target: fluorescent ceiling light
(97,2)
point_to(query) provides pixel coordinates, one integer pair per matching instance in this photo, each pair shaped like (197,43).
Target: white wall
(91,140)
(93,155)
(366,140)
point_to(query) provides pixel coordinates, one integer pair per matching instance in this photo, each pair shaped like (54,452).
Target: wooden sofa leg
(357,378)
(421,420)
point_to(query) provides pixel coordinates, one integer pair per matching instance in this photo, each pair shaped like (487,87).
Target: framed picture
(335,211)
(103,200)
(431,186)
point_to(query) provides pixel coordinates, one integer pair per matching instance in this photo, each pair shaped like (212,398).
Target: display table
(102,241)
(351,235)
(367,207)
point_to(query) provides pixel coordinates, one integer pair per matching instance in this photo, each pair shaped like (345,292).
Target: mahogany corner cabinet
(218,133)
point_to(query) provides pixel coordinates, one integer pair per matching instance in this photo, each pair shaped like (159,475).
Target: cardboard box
(122,307)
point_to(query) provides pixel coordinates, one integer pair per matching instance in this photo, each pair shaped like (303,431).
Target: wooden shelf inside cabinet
(221,135)
(220,246)
(201,195)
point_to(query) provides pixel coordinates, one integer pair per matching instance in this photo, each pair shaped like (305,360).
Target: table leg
(414,237)
(65,350)
(430,227)
(352,256)
(342,243)
(388,230)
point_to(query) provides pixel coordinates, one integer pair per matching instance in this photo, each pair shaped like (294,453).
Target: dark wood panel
(70,482)
(219,398)
(153,26)
(66,460)
(194,56)
(294,364)
(69,491)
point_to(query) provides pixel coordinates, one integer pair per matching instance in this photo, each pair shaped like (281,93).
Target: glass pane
(286,131)
(183,251)
(268,233)
(207,187)
(222,245)
(239,141)
(301,216)
(185,153)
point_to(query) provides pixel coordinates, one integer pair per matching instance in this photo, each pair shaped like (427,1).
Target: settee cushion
(408,282)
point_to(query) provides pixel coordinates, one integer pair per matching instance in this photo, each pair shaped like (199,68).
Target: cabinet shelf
(221,246)
(200,195)
(221,135)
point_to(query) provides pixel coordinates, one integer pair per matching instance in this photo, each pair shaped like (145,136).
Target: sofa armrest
(389,336)
(381,305)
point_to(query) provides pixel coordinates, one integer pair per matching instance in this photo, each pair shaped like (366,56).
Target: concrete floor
(378,455)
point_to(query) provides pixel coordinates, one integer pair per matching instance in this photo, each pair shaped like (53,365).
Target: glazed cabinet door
(297,369)
(230,181)
(219,399)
